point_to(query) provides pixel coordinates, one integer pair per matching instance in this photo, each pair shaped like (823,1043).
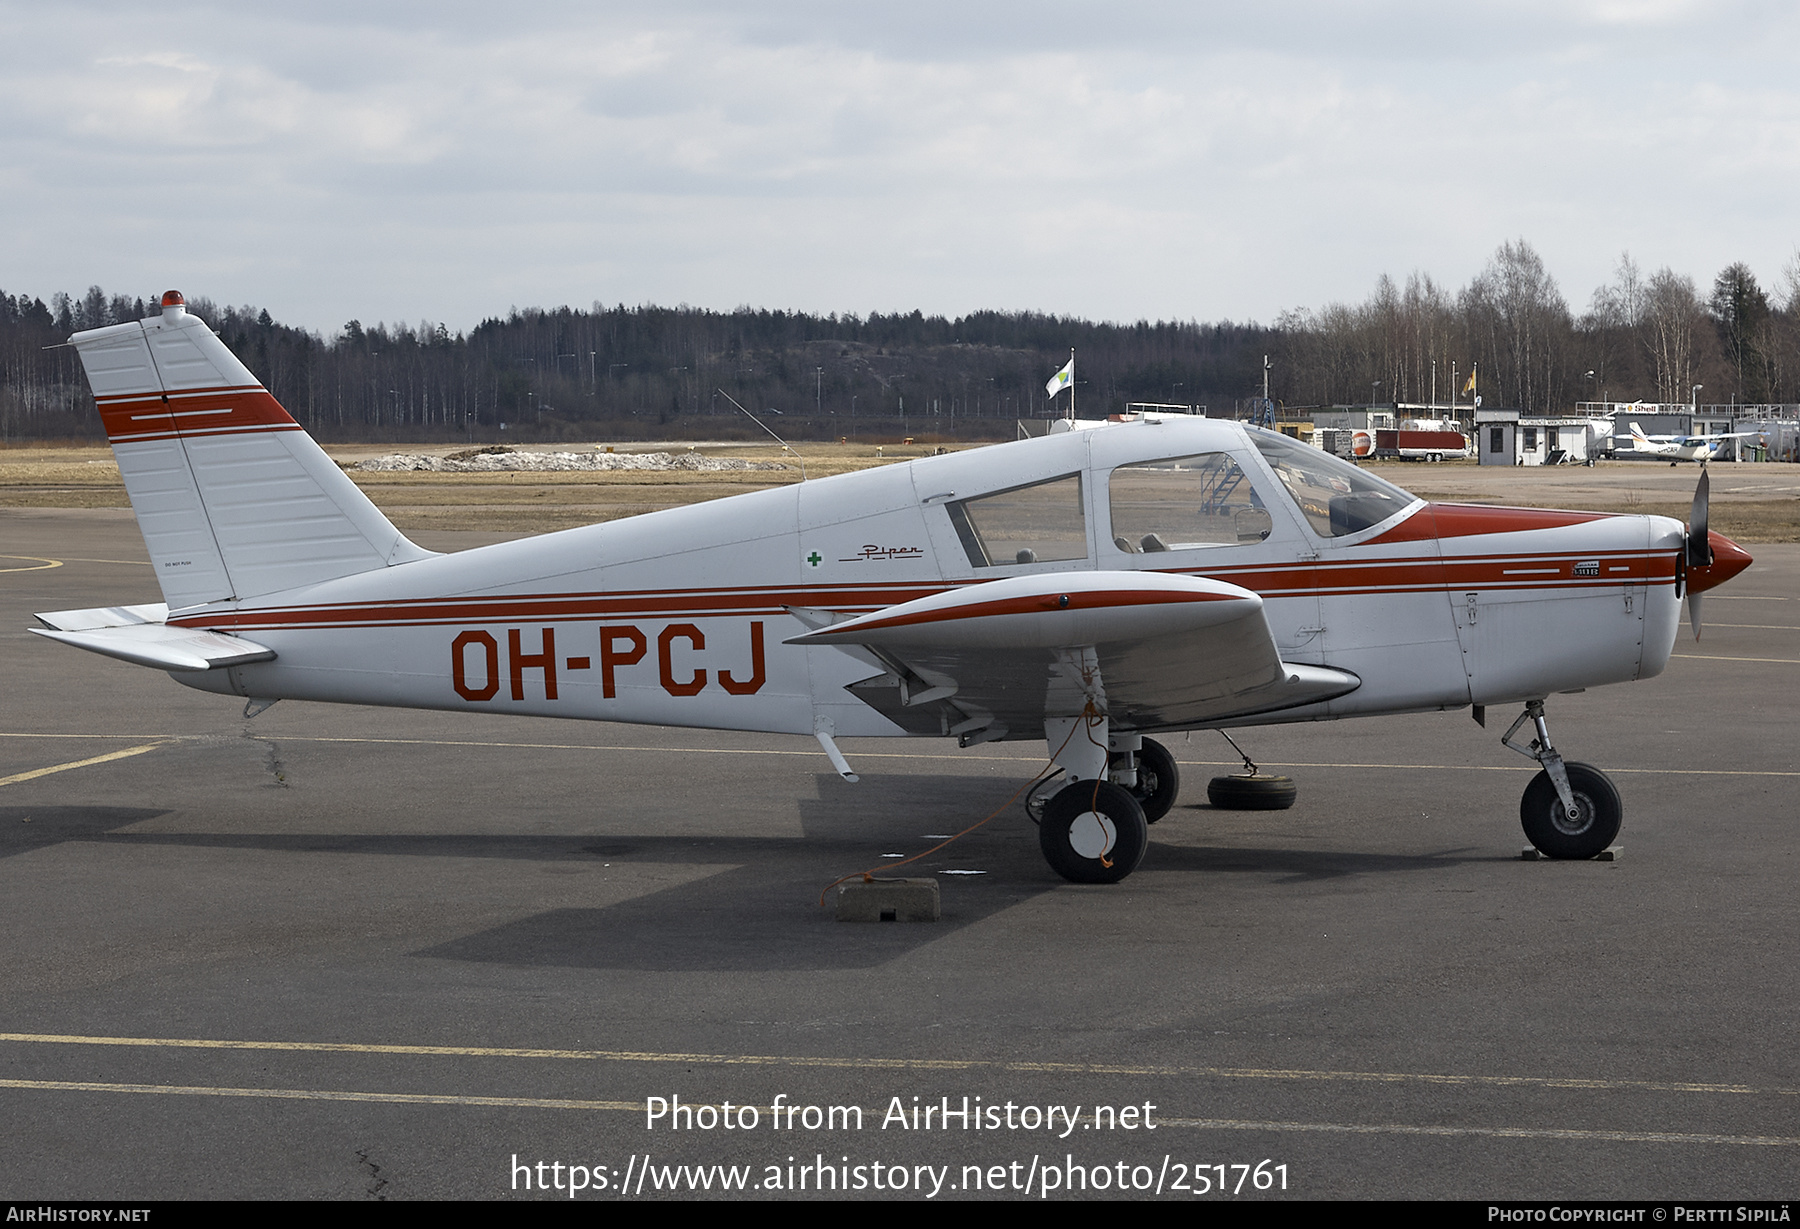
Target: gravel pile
(539,462)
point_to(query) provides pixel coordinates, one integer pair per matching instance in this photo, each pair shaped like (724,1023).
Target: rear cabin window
(1185,502)
(1040,523)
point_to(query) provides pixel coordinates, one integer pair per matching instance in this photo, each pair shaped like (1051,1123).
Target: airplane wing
(995,660)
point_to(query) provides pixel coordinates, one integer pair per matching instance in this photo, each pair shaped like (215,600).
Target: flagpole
(1071,383)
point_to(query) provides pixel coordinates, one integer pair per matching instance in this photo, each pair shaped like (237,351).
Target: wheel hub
(1092,835)
(1583,818)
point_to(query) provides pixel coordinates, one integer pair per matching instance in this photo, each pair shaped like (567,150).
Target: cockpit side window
(1335,496)
(1040,523)
(1182,503)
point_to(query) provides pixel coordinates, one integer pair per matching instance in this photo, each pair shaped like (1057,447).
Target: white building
(1506,437)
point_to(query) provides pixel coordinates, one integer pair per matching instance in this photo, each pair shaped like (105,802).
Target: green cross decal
(815,559)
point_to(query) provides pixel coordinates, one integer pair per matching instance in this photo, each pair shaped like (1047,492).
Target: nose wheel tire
(1598,813)
(1093,832)
(1258,792)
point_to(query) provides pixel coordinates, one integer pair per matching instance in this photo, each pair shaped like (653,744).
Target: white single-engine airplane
(1088,588)
(1701,448)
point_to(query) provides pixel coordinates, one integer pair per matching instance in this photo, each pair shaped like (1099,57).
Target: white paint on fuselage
(858,542)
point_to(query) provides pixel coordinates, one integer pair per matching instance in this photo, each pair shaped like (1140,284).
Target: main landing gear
(1093,832)
(1094,817)
(1148,774)
(1570,810)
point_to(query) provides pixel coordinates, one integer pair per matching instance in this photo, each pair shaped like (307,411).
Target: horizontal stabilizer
(162,647)
(104,616)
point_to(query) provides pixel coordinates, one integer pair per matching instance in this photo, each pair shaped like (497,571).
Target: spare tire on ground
(1257,792)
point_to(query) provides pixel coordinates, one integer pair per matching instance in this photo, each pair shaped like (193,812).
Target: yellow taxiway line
(35,773)
(638,1107)
(897,1064)
(38,563)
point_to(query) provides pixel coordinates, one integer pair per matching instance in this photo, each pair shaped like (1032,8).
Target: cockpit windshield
(1336,497)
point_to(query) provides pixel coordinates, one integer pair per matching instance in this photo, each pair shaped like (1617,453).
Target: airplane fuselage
(681,617)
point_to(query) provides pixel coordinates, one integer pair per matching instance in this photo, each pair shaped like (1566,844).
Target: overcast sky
(449,160)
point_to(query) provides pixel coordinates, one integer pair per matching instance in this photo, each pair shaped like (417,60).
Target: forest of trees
(1642,337)
(638,372)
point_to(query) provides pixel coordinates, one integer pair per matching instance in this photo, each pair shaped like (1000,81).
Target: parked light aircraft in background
(1701,448)
(1088,589)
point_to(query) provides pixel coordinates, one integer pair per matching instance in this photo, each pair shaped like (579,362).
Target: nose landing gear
(1570,810)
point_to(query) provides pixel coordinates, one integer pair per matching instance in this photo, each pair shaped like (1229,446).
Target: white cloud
(1202,161)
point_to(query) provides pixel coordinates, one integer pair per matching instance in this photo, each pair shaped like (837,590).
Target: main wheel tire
(1260,792)
(1599,812)
(1093,832)
(1159,781)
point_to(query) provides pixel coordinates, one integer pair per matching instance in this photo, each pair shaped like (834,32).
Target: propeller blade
(1699,547)
(1693,603)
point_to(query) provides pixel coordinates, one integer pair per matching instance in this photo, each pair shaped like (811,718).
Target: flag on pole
(1061,379)
(1470,386)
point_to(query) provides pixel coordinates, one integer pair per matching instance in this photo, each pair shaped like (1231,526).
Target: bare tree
(1523,324)
(1613,330)
(1672,317)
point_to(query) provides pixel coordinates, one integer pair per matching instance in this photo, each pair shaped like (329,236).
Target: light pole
(1694,401)
(818,391)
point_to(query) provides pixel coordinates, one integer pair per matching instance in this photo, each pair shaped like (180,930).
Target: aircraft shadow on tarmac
(1295,866)
(24,829)
(761,913)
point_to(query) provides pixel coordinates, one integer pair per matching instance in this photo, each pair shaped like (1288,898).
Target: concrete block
(1612,853)
(889,900)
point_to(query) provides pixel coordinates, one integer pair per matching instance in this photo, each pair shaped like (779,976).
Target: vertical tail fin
(234,500)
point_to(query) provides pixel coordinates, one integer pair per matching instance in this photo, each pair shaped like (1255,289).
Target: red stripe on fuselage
(1336,578)
(1352,576)
(1469,520)
(553,607)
